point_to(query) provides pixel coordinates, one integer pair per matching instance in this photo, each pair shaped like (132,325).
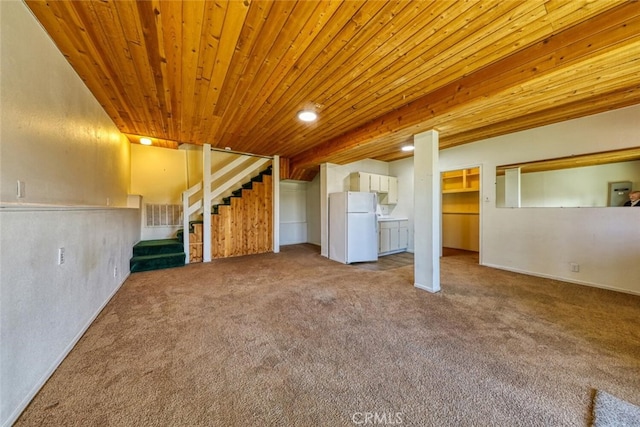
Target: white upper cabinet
(360,181)
(386,186)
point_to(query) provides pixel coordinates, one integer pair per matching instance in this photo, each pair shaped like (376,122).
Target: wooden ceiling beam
(614,28)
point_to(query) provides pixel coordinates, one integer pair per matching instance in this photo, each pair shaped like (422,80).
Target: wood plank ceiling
(235,73)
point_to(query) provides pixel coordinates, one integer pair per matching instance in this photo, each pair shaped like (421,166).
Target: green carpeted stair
(157,254)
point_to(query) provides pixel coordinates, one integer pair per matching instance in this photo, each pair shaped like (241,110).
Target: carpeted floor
(294,339)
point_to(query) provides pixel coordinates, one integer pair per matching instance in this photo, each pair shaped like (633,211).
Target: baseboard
(562,279)
(425,288)
(25,402)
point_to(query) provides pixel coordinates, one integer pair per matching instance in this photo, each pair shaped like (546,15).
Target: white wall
(313,211)
(45,307)
(403,170)
(586,186)
(293,212)
(160,176)
(58,140)
(605,242)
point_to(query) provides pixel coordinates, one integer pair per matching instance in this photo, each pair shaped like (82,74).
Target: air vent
(163,215)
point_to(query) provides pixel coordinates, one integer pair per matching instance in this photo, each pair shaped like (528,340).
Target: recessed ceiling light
(145,141)
(408,148)
(307,116)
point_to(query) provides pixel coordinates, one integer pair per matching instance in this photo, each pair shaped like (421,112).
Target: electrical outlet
(115,272)
(575,267)
(60,256)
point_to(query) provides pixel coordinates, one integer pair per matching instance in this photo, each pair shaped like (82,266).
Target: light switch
(20,189)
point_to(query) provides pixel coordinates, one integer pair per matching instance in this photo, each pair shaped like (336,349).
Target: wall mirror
(588,180)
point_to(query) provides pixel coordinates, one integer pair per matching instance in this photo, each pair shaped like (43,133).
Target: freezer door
(361,202)
(362,237)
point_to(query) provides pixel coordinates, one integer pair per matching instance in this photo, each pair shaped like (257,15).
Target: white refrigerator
(353,227)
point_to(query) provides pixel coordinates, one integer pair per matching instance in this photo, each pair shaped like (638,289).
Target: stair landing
(157,254)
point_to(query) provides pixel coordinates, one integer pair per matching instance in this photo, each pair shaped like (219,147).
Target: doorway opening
(460,211)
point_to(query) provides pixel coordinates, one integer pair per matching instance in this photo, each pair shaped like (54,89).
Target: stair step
(248,185)
(227,200)
(180,232)
(237,193)
(156,262)
(157,247)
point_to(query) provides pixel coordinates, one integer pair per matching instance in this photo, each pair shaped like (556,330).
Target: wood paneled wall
(245,226)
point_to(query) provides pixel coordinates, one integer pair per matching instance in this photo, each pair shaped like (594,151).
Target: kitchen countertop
(391,218)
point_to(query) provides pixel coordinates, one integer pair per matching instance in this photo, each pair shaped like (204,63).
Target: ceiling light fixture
(307,116)
(408,148)
(145,141)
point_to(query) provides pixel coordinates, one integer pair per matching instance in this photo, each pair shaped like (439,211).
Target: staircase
(241,224)
(157,254)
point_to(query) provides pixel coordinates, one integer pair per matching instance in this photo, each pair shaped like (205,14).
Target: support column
(427,211)
(206,203)
(512,188)
(324,211)
(275,174)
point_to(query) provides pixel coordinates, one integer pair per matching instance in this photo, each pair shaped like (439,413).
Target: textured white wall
(45,307)
(59,141)
(543,241)
(55,137)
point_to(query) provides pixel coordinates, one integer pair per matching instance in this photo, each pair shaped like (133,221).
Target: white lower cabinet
(384,242)
(403,235)
(393,236)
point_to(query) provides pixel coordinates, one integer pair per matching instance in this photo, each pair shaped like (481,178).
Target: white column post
(275,172)
(206,203)
(427,211)
(185,227)
(512,188)
(324,211)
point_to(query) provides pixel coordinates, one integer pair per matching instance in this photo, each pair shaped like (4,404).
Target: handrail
(193,189)
(227,168)
(230,182)
(228,150)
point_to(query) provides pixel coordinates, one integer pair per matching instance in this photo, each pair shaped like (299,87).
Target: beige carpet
(294,339)
(609,411)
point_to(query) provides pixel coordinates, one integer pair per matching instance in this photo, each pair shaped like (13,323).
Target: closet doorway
(461,210)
